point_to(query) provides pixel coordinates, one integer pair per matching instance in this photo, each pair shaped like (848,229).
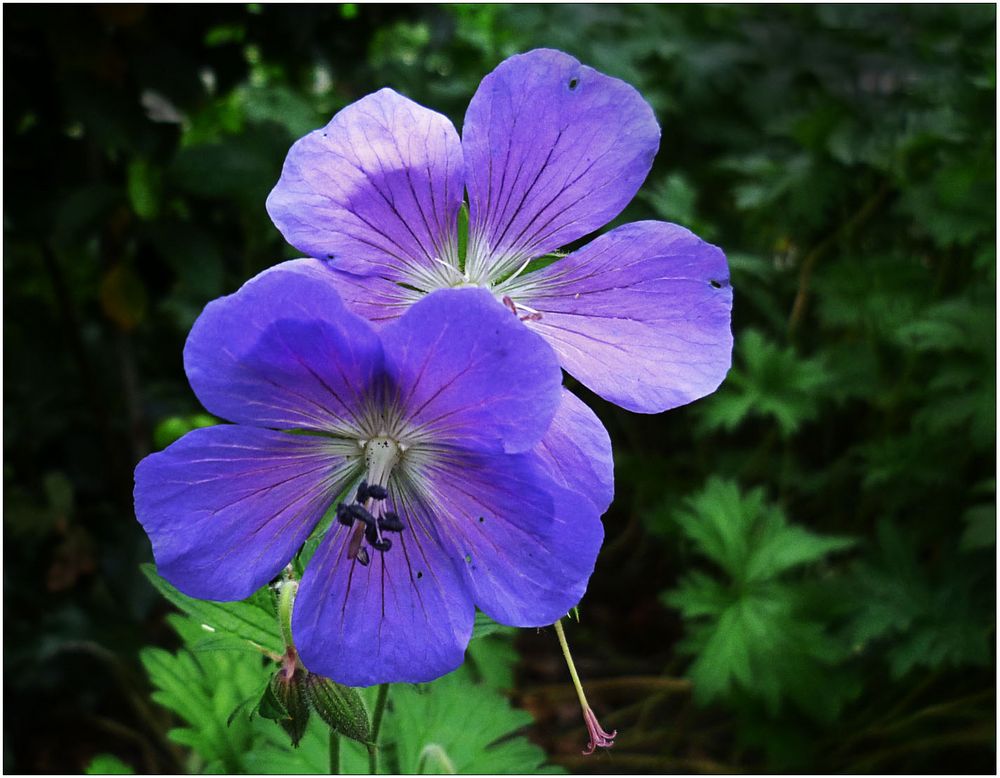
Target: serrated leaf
(925,620)
(769,382)
(751,633)
(439,732)
(751,540)
(246,620)
(485,626)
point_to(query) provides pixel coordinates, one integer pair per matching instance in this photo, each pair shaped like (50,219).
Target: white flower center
(381,455)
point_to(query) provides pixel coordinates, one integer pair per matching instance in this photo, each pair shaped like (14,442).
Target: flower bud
(341,707)
(283,702)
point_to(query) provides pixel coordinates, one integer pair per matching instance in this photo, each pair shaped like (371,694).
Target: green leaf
(769,382)
(463,235)
(108,764)
(438,731)
(247,620)
(753,633)
(749,539)
(485,626)
(144,189)
(923,618)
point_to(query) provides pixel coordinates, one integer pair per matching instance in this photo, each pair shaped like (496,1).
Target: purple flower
(550,151)
(443,414)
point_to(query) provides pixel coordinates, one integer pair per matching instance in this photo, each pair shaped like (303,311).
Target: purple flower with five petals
(550,151)
(454,418)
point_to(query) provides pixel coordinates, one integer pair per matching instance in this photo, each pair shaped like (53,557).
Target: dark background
(814,545)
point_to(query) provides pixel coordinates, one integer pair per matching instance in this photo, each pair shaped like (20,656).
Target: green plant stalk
(569,662)
(380,700)
(334,753)
(286,598)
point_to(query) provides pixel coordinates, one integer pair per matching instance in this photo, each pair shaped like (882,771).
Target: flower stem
(334,753)
(286,598)
(380,700)
(569,663)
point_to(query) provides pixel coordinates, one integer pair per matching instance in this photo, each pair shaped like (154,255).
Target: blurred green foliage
(813,546)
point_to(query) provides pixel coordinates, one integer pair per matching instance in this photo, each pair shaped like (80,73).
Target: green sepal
(283,701)
(341,707)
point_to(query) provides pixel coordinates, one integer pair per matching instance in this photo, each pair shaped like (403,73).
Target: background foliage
(800,570)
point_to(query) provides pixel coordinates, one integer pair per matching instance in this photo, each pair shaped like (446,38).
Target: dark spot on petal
(468,558)
(574,83)
(481,519)
(419,574)
(715,284)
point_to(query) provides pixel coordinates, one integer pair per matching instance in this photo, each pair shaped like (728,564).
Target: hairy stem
(334,753)
(380,700)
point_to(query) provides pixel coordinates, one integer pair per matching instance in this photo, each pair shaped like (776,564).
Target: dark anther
(377,492)
(362,557)
(390,522)
(344,515)
(382,545)
(371,492)
(371,534)
(358,513)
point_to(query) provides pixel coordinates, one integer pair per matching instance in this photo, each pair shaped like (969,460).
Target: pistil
(365,516)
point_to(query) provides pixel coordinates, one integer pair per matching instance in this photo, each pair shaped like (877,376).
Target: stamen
(532,314)
(381,455)
(598,737)
(464,277)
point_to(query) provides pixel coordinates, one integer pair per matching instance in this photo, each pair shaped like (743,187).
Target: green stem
(286,599)
(380,700)
(334,753)
(569,662)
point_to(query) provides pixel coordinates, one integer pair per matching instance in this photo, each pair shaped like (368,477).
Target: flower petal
(407,616)
(641,315)
(227,507)
(377,190)
(373,297)
(528,545)
(283,352)
(553,150)
(576,452)
(468,374)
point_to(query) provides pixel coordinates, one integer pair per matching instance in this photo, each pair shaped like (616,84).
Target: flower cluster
(408,394)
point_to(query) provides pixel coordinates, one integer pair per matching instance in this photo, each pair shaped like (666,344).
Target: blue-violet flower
(451,433)
(550,151)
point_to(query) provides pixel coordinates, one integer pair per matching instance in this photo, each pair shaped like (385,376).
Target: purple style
(551,150)
(484,484)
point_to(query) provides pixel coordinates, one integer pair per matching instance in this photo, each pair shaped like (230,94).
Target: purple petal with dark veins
(469,374)
(641,315)
(407,616)
(227,507)
(377,190)
(553,150)
(283,352)
(527,546)
(373,297)
(576,451)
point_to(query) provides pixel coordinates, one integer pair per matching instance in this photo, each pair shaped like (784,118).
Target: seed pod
(283,702)
(341,707)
